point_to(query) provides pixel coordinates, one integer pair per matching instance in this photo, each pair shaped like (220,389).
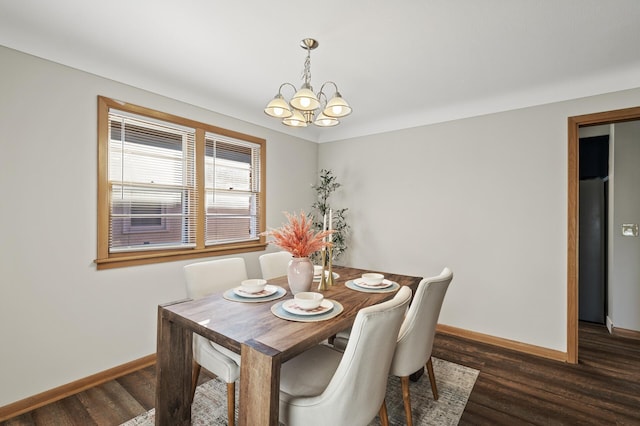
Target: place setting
(254,290)
(307,306)
(372,282)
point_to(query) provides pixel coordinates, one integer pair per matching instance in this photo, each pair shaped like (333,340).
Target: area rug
(455,383)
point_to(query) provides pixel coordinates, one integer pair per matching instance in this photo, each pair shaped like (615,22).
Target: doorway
(593,223)
(574,123)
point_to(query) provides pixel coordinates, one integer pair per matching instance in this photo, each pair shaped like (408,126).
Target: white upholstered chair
(415,340)
(204,278)
(324,386)
(274,264)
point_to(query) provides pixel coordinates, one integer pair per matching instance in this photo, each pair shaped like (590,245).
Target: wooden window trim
(106,260)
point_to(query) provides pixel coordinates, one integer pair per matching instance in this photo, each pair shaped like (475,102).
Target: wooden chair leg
(195,372)
(432,379)
(384,417)
(231,403)
(406,397)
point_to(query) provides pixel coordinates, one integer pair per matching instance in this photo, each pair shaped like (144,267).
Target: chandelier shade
(306,107)
(325,121)
(305,100)
(337,107)
(278,108)
(295,120)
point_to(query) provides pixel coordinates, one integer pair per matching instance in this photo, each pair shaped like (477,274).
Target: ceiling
(399,64)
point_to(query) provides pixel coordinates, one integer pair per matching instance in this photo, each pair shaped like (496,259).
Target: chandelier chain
(306,73)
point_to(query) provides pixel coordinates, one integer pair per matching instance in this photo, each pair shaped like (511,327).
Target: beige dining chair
(415,340)
(324,386)
(204,278)
(275,264)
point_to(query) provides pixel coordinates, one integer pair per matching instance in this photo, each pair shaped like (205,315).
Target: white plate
(291,307)
(360,283)
(335,276)
(268,291)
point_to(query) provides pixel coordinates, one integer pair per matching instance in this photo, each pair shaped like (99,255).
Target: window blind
(153,198)
(232,186)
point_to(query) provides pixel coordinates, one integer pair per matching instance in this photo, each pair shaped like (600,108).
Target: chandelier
(305,106)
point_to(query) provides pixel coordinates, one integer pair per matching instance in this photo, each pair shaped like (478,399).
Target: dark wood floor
(602,389)
(512,389)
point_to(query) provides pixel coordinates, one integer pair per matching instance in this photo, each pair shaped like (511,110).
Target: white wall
(60,319)
(624,272)
(486,196)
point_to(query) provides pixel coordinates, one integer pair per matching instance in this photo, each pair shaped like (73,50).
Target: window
(171,188)
(231,192)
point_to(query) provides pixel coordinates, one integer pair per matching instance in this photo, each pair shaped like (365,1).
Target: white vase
(300,274)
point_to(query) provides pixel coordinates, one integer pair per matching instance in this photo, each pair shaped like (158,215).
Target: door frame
(608,117)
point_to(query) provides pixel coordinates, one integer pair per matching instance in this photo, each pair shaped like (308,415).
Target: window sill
(123,260)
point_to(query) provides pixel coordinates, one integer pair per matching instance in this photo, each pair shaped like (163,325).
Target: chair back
(204,278)
(274,264)
(415,340)
(357,388)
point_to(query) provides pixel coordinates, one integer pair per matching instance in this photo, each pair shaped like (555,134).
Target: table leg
(259,384)
(174,359)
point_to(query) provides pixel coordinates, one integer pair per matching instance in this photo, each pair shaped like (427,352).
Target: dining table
(264,338)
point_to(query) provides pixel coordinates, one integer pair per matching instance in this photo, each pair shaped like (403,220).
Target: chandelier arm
(329,82)
(335,86)
(286,84)
(321,95)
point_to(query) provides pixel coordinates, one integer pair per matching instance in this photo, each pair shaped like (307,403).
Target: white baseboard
(609,325)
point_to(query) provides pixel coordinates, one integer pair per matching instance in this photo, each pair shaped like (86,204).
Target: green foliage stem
(327,185)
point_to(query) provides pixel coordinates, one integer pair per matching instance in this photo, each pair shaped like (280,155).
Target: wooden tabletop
(230,323)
